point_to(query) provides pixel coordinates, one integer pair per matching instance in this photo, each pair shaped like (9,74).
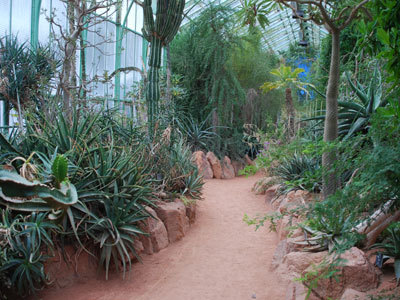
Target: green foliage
(198,135)
(381,35)
(174,169)
(108,166)
(22,241)
(248,170)
(259,221)
(254,13)
(355,114)
(252,64)
(116,230)
(286,78)
(300,172)
(201,54)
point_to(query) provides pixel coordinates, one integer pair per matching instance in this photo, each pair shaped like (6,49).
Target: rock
(228,172)
(270,193)
(297,291)
(284,247)
(263,184)
(280,252)
(356,273)
(276,202)
(248,160)
(138,246)
(173,215)
(285,227)
(202,164)
(215,165)
(191,212)
(350,294)
(237,166)
(294,199)
(295,263)
(158,236)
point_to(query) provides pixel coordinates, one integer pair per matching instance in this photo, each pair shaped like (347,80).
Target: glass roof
(282,30)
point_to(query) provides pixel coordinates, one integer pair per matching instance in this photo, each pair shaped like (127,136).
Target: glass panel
(21,19)
(139,18)
(4,17)
(44,25)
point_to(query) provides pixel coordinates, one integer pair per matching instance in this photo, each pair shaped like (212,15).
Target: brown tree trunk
(330,182)
(291,113)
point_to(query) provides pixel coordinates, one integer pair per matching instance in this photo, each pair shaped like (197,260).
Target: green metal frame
(35,14)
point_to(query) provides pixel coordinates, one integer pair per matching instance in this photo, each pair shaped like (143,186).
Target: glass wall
(109,45)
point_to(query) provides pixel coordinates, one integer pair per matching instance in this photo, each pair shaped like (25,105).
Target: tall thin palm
(287,79)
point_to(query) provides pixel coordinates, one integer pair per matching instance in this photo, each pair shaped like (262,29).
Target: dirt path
(220,257)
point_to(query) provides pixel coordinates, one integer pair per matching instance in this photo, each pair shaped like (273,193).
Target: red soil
(221,257)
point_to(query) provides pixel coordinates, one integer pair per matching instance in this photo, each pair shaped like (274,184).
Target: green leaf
(383,36)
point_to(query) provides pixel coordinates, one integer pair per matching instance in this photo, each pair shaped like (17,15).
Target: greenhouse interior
(200,149)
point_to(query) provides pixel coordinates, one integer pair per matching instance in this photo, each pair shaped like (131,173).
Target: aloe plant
(17,193)
(354,116)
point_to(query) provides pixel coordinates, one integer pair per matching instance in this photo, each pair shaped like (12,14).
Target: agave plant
(354,116)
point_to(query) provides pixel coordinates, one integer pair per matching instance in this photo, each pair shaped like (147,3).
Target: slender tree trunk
(330,181)
(291,113)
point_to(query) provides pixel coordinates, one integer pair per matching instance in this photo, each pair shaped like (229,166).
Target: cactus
(59,169)
(159,33)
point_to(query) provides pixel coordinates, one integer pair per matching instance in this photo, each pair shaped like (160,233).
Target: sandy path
(220,257)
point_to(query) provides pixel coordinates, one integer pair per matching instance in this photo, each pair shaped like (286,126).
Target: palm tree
(287,79)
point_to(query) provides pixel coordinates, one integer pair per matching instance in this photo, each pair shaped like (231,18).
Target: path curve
(220,257)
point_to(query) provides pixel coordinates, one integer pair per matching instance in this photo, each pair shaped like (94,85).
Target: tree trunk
(330,181)
(290,113)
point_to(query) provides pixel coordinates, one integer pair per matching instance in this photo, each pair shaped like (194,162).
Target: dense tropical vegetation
(83,174)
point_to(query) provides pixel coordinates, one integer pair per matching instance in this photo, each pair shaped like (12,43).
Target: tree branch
(353,14)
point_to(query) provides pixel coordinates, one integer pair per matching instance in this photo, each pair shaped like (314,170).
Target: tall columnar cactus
(159,33)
